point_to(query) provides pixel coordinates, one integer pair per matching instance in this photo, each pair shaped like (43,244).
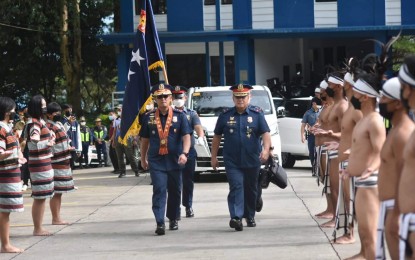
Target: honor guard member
(242,127)
(179,98)
(165,143)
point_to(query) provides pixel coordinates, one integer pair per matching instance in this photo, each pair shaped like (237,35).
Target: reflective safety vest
(85,137)
(99,134)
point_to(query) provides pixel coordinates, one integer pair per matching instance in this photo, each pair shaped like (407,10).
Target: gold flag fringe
(157,64)
(135,127)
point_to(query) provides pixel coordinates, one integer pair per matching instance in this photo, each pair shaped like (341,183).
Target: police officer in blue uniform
(165,143)
(179,99)
(242,127)
(310,119)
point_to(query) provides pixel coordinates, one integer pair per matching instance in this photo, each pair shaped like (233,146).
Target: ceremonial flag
(146,55)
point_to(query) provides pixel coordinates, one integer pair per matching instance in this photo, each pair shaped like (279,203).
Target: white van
(209,102)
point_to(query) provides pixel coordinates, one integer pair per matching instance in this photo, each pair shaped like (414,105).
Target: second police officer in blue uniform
(242,127)
(179,99)
(165,143)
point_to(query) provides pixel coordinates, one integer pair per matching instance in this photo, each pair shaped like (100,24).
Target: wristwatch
(186,154)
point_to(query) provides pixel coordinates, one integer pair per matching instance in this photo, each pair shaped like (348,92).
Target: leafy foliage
(30,58)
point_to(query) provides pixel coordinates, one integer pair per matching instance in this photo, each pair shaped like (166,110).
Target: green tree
(401,48)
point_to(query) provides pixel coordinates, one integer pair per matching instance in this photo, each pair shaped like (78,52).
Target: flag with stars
(146,55)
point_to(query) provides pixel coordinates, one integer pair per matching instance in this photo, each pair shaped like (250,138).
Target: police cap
(241,90)
(161,89)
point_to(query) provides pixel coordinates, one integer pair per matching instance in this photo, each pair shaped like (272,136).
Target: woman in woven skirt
(11,199)
(39,141)
(63,182)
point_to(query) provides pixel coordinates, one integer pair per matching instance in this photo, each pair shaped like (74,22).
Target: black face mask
(383,111)
(44,110)
(356,103)
(330,92)
(12,115)
(323,98)
(57,117)
(405,101)
(67,114)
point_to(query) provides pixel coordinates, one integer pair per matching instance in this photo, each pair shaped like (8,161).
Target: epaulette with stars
(150,112)
(177,110)
(256,109)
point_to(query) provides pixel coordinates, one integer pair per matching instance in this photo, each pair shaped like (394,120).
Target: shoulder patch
(177,110)
(150,112)
(256,109)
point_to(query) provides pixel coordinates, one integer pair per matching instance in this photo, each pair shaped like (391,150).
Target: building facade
(223,42)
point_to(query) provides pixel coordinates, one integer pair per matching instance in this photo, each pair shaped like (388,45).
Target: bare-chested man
(406,191)
(332,133)
(391,108)
(327,103)
(364,161)
(345,203)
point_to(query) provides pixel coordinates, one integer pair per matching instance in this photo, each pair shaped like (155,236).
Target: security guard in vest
(86,142)
(242,128)
(99,134)
(165,143)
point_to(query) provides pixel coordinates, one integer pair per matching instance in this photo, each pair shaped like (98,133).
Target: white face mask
(178,102)
(119,113)
(83,123)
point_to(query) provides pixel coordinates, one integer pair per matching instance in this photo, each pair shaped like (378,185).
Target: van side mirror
(280,112)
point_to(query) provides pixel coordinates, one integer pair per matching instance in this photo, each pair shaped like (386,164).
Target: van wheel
(288,160)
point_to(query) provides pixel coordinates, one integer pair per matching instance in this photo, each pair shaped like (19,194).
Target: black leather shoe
(189,213)
(259,205)
(236,224)
(161,229)
(122,175)
(173,225)
(137,174)
(250,222)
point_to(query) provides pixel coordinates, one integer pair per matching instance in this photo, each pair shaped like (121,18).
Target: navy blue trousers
(188,182)
(311,147)
(243,190)
(163,182)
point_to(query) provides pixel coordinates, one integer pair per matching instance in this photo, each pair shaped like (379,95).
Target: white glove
(200,141)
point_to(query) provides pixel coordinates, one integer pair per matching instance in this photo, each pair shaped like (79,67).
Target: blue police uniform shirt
(194,120)
(242,133)
(310,117)
(179,127)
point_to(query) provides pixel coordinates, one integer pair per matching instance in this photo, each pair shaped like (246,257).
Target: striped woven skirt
(11,198)
(41,175)
(62,176)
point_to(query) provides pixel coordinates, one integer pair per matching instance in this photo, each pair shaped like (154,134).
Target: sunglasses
(163,96)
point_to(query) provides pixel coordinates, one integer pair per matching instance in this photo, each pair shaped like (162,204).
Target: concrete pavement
(112,219)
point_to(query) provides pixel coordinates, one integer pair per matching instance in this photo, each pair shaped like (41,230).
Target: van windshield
(212,103)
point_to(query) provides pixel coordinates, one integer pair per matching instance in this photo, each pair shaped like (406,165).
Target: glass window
(296,108)
(159,6)
(226,2)
(212,103)
(187,69)
(210,2)
(317,1)
(229,70)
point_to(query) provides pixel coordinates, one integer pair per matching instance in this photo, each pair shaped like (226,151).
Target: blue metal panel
(123,65)
(293,14)
(361,12)
(242,14)
(407,12)
(185,15)
(245,61)
(235,35)
(221,65)
(208,78)
(217,9)
(127,16)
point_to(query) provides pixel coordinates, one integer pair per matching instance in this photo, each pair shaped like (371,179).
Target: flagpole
(166,80)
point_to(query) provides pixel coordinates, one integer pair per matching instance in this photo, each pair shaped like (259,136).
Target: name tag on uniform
(231,121)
